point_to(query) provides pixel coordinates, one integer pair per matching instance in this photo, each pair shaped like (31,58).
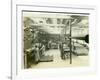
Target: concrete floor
(59,63)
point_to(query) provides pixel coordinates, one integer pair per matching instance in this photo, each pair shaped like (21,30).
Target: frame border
(21,24)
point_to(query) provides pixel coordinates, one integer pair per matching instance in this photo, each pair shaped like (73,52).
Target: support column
(70,41)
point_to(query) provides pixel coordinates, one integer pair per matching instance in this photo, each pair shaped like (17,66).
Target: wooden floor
(57,62)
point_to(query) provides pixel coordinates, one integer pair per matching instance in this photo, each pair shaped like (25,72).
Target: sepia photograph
(55,39)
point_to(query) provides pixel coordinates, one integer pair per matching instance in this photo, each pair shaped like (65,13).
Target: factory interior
(55,40)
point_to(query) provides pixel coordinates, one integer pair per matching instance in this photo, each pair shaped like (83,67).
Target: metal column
(70,41)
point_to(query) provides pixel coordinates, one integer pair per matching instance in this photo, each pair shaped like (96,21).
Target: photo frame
(20,68)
